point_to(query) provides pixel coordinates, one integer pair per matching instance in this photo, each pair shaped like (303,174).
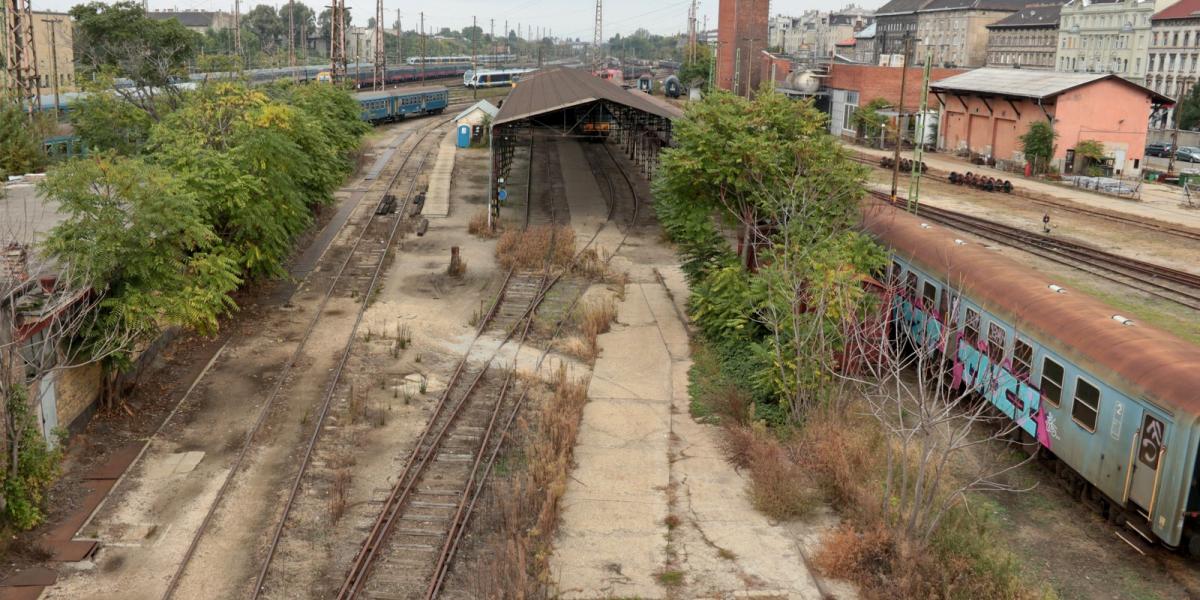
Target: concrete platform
(437,198)
(639,458)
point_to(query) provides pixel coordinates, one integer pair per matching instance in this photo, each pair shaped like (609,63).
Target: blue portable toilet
(464,136)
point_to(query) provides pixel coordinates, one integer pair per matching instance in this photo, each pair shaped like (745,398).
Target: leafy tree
(1092,153)
(472,33)
(20,144)
(324,19)
(868,123)
(137,234)
(768,168)
(119,40)
(699,69)
(108,122)
(304,19)
(265,24)
(1038,144)
(1188,111)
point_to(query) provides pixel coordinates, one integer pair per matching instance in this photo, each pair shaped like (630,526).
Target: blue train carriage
(392,105)
(1113,400)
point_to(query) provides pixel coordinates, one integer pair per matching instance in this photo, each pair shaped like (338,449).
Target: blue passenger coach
(393,105)
(1113,402)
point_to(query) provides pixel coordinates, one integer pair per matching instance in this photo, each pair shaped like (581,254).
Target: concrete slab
(635,309)
(623,423)
(437,198)
(633,363)
(673,331)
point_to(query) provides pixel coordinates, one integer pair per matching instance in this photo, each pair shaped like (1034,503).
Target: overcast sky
(567,18)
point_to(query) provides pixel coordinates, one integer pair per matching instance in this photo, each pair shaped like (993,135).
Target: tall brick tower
(741,37)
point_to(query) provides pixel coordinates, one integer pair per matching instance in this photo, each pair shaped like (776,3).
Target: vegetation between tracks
(776,319)
(512,558)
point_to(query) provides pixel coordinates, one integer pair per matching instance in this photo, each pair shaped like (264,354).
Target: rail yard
(495,322)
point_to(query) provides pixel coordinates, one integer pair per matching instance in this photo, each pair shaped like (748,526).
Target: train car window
(894,276)
(1022,358)
(928,295)
(972,327)
(1086,404)
(996,342)
(910,285)
(1052,380)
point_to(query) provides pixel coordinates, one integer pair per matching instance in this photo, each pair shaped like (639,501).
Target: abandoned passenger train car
(1114,402)
(393,105)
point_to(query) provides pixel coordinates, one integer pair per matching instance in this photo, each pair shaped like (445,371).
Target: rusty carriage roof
(1141,360)
(561,88)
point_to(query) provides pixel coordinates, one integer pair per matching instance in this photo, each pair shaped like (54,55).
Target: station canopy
(558,89)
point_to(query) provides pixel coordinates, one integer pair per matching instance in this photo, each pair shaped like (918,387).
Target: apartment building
(1174,53)
(1112,36)
(1026,39)
(954,32)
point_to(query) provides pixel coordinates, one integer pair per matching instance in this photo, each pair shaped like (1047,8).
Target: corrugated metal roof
(1026,83)
(556,89)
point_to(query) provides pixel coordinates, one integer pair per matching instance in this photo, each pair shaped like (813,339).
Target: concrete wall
(1108,111)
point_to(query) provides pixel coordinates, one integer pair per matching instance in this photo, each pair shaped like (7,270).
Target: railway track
(1174,285)
(1156,226)
(411,545)
(359,269)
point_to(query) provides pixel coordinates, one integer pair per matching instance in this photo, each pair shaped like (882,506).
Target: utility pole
(20,57)
(692,32)
(292,37)
(914,182)
(237,27)
(474,64)
(304,42)
(54,60)
(492,37)
(399,40)
(737,69)
(337,41)
(899,117)
(422,47)
(598,38)
(380,78)
(357,58)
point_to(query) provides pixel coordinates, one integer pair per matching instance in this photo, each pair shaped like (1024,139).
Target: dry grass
(522,511)
(531,248)
(594,317)
(479,225)
(780,486)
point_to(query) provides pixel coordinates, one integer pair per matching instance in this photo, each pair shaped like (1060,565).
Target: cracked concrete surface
(640,458)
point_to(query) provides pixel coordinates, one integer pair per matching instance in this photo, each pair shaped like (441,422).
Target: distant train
(671,87)
(397,104)
(485,78)
(1113,403)
(486,59)
(363,76)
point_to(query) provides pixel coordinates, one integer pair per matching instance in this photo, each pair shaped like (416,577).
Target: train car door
(1149,450)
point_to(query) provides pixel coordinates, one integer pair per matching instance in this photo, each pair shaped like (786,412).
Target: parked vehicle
(1111,402)
(1161,150)
(1188,154)
(394,105)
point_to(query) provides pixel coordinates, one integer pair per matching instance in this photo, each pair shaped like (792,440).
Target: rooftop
(999,5)
(867,32)
(483,105)
(1184,9)
(1034,15)
(898,7)
(186,18)
(1027,83)
(559,88)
